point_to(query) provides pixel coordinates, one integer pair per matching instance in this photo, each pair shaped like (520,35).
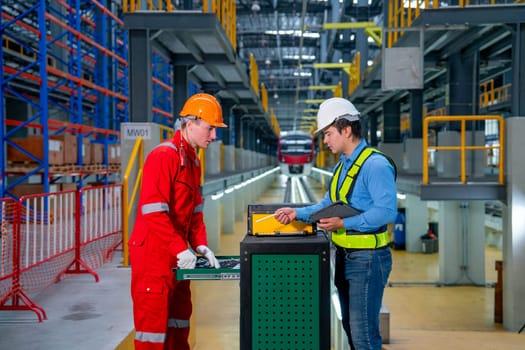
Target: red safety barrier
(12,293)
(99,227)
(46,236)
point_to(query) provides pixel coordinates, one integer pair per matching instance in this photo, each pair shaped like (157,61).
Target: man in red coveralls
(169,227)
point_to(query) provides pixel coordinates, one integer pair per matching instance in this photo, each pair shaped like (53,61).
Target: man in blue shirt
(364,178)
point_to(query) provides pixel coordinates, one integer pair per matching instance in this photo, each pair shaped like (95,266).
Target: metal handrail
(401,14)
(225,10)
(136,154)
(166,133)
(463,147)
(490,95)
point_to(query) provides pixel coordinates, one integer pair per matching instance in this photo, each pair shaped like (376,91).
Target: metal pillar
(361,39)
(346,53)
(213,159)
(228,213)
(391,122)
(365,127)
(212,220)
(391,144)
(518,71)
(513,228)
(463,87)
(373,129)
(416,223)
(416,113)
(227,114)
(461,242)
(140,86)
(236,124)
(180,88)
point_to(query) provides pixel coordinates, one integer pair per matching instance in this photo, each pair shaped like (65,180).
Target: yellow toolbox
(262,223)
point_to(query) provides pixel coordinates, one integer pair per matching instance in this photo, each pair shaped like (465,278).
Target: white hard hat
(335,108)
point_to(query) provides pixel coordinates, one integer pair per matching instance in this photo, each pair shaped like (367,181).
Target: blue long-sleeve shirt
(374,193)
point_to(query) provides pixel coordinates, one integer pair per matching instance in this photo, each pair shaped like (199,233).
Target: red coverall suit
(169,215)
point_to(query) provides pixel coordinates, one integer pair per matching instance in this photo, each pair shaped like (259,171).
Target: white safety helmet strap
(333,109)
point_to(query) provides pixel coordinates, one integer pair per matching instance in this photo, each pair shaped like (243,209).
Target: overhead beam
(371,29)
(344,66)
(349,25)
(322,87)
(375,34)
(332,65)
(312,101)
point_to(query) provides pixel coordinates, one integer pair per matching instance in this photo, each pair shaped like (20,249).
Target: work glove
(187,259)
(208,254)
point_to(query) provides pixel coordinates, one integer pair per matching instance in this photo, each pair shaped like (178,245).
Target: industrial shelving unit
(65,77)
(162,82)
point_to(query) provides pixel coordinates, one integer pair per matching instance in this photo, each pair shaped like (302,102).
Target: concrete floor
(86,315)
(81,314)
(422,315)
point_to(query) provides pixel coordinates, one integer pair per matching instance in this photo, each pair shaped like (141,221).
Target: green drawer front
(285,302)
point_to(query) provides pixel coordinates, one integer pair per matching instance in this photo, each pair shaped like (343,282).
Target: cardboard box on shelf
(70,146)
(29,189)
(39,207)
(86,151)
(97,153)
(114,154)
(68,186)
(34,144)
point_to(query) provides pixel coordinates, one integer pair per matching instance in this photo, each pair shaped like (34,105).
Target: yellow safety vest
(353,239)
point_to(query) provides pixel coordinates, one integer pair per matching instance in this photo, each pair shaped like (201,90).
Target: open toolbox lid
(230,270)
(262,223)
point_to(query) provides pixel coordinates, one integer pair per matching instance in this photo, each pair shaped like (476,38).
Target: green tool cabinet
(285,293)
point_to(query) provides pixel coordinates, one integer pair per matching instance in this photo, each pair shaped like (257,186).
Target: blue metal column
(162,90)
(102,75)
(120,77)
(2,118)
(42,57)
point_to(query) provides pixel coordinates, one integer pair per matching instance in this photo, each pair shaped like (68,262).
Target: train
(295,153)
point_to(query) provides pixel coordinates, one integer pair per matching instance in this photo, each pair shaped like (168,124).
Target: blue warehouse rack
(71,80)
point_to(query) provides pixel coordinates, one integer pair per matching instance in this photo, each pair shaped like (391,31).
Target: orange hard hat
(205,107)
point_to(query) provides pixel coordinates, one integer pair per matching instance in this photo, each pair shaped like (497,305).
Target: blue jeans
(360,279)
